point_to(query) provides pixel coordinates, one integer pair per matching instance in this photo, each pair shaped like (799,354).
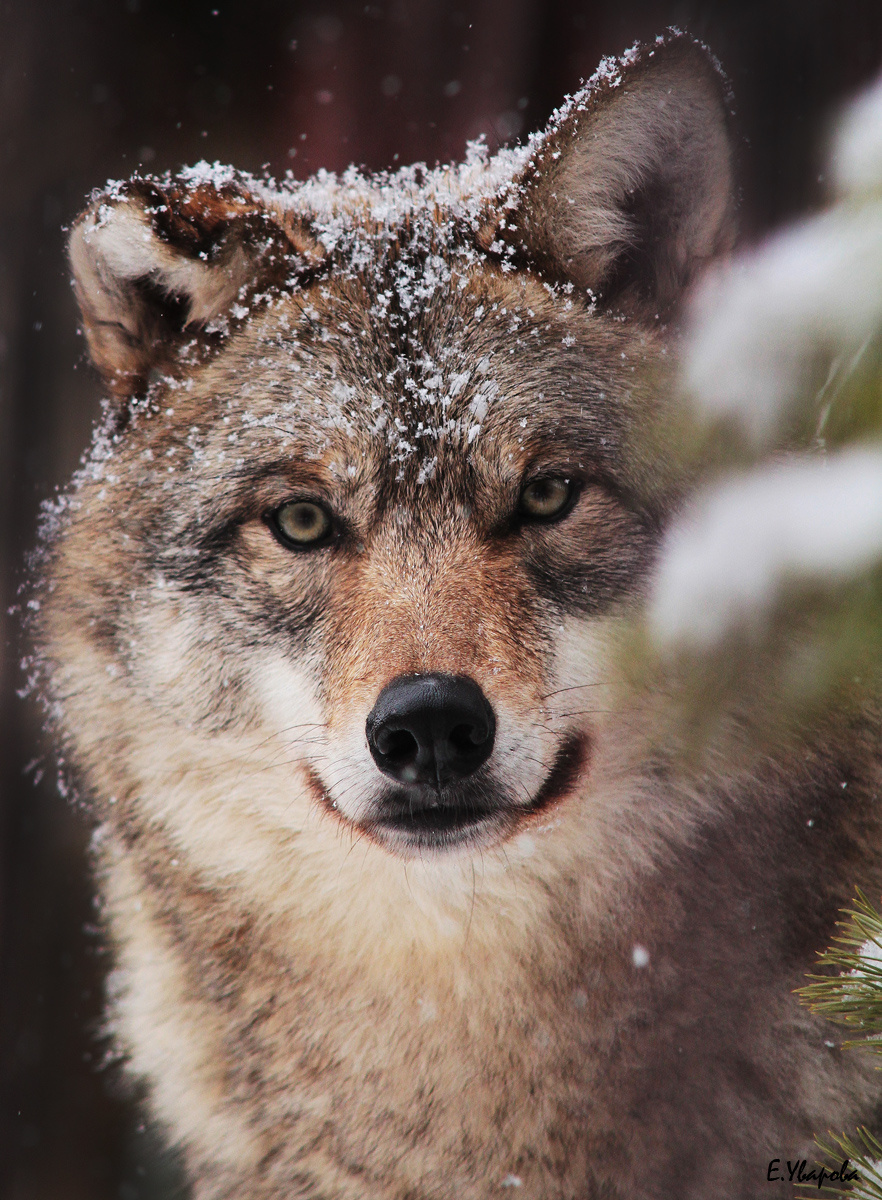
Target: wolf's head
(349,554)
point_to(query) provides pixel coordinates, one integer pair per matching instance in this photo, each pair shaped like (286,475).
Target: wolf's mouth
(411,821)
(438,819)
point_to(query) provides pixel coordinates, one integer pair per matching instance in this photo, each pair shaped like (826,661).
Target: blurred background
(91,89)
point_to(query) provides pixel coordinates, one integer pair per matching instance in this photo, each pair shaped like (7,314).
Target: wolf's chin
(416,824)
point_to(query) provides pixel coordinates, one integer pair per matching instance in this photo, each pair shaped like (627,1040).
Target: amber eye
(546,498)
(301,523)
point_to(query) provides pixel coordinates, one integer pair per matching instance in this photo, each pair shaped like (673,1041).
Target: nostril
(465,739)
(397,746)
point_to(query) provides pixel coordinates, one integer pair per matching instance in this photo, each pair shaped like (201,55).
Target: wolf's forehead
(404,405)
(396,332)
(409,276)
(414,353)
(347,374)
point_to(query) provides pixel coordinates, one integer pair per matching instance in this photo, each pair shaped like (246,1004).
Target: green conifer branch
(852,997)
(864,1156)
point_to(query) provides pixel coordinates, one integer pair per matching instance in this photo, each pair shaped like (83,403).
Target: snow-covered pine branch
(784,359)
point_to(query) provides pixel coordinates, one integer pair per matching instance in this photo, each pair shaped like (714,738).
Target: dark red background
(91,88)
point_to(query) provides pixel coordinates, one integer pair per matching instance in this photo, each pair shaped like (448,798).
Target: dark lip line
(568,765)
(569,762)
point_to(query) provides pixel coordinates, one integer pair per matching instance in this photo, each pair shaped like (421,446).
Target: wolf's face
(347,514)
(372,504)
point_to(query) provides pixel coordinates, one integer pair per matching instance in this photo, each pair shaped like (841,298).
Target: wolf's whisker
(574,688)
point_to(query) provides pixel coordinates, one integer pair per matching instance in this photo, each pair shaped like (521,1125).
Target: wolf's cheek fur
(594,558)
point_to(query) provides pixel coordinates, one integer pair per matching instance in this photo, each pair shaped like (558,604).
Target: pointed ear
(630,191)
(156,263)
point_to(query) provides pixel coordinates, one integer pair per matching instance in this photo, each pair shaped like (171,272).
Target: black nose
(431,729)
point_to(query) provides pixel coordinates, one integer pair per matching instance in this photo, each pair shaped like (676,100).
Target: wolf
(408,897)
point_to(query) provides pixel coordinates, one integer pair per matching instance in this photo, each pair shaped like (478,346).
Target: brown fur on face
(322,1007)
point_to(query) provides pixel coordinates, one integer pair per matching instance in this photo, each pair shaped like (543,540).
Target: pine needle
(863,1156)
(853,997)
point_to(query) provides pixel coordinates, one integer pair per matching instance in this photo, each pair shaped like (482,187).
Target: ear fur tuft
(630,191)
(155,262)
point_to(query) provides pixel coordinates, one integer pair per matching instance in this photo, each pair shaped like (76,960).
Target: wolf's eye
(547,498)
(300,523)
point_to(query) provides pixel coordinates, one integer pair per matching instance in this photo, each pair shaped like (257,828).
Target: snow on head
(726,559)
(216,175)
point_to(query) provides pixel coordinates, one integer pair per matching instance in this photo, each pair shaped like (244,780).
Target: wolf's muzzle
(431,730)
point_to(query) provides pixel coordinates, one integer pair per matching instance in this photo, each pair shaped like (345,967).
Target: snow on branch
(783,357)
(761,323)
(729,556)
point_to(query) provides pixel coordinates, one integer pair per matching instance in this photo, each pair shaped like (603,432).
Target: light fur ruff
(584,993)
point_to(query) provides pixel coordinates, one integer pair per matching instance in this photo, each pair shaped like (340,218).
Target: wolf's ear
(630,191)
(155,263)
